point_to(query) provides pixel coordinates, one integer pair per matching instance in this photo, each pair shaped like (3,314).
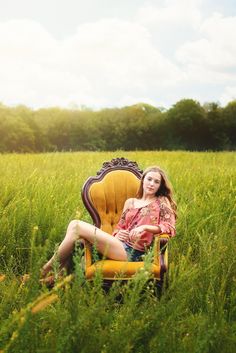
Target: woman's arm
(136,232)
(167,218)
(166,222)
(128,204)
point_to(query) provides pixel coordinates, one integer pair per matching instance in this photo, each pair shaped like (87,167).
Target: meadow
(196,312)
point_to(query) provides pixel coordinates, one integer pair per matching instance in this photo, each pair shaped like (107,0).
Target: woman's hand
(136,233)
(122,235)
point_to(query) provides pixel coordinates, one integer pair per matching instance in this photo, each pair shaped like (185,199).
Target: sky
(114,53)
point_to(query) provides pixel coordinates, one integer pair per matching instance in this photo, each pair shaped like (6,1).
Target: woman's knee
(73,227)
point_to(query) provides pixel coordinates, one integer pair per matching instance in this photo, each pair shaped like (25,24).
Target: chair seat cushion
(119,269)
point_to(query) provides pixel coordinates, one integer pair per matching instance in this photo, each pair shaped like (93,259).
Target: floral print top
(157,213)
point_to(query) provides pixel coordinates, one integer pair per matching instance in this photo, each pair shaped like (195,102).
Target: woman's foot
(48,281)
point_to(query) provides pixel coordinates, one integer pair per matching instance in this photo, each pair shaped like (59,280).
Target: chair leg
(158,288)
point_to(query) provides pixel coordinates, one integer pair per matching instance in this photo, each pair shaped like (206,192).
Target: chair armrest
(86,246)
(160,246)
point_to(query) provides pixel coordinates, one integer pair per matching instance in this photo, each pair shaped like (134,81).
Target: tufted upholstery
(109,195)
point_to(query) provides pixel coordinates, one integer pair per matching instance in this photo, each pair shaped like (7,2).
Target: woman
(150,214)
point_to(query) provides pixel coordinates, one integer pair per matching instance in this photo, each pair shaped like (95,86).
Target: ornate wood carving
(119,163)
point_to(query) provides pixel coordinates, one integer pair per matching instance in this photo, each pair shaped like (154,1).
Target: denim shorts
(133,254)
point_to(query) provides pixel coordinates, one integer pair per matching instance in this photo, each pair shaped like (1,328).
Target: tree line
(187,125)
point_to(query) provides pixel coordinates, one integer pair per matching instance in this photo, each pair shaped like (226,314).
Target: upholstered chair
(104,196)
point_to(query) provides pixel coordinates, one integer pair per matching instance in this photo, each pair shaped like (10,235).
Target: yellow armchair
(104,196)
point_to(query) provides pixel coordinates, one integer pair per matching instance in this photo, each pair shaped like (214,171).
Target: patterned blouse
(157,213)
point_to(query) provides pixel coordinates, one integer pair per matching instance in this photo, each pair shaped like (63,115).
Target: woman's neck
(148,198)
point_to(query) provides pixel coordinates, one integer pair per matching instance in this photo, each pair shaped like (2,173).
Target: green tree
(229,118)
(15,134)
(186,126)
(217,135)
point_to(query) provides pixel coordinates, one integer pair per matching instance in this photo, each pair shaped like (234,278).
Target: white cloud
(120,53)
(167,51)
(102,59)
(174,13)
(131,100)
(25,39)
(212,58)
(228,95)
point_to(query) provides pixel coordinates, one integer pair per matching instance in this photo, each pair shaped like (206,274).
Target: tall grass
(40,194)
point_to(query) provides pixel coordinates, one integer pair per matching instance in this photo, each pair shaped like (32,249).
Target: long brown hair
(165,188)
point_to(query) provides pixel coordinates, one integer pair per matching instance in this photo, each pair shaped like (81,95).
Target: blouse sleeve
(167,219)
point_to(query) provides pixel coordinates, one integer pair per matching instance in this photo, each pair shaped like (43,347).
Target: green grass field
(40,194)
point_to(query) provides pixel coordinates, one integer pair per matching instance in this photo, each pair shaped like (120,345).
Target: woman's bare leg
(105,243)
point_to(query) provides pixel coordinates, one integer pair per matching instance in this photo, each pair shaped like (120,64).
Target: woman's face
(151,183)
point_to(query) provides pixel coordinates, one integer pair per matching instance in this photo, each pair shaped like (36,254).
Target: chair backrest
(105,194)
